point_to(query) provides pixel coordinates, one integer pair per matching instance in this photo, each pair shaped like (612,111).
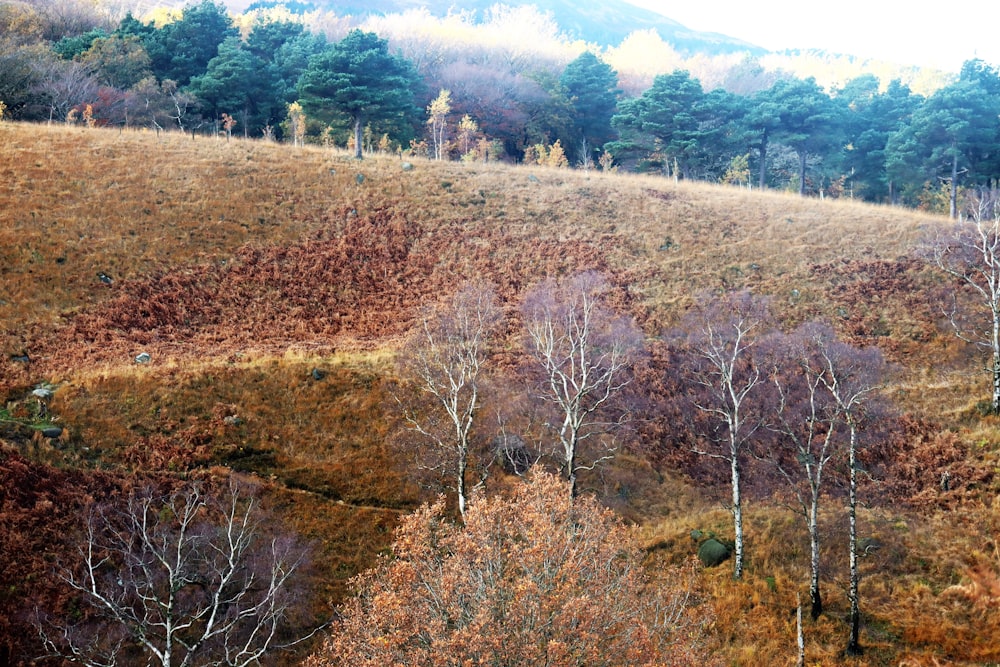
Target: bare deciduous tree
(969,251)
(807,421)
(445,355)
(718,338)
(585,354)
(853,377)
(177,580)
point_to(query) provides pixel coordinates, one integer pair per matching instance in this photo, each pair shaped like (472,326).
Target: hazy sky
(941,33)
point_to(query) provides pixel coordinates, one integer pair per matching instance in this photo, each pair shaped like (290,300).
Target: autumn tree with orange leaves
(533,578)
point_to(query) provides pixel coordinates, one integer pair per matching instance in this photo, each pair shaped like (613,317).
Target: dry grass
(242,266)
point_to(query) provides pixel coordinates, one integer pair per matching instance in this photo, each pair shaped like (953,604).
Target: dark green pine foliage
(358,82)
(664,121)
(182,50)
(239,83)
(70,47)
(130,26)
(591,86)
(953,136)
(811,122)
(872,118)
(764,121)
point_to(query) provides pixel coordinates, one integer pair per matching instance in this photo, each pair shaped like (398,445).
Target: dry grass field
(240,267)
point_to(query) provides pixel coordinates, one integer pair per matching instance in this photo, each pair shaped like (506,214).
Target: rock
(52,431)
(43,393)
(142,358)
(533,178)
(232,420)
(318,374)
(407,166)
(359,179)
(712,552)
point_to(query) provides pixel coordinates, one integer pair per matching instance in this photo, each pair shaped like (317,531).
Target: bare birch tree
(445,355)
(719,337)
(177,580)
(853,377)
(969,251)
(806,421)
(585,355)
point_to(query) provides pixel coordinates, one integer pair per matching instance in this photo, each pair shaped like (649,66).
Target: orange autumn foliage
(531,579)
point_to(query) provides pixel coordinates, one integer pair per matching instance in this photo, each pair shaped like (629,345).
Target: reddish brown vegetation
(881,302)
(534,579)
(360,281)
(932,468)
(40,515)
(240,267)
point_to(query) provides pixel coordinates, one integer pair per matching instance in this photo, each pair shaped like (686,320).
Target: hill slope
(239,267)
(603,23)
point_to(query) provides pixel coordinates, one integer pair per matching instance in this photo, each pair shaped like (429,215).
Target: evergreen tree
(952,136)
(182,49)
(591,86)
(811,122)
(664,120)
(359,81)
(871,119)
(239,83)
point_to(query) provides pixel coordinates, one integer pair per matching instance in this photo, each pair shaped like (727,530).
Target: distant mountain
(605,22)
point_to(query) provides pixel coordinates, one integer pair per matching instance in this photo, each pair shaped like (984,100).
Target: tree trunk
(762,176)
(802,171)
(953,196)
(853,641)
(814,593)
(737,519)
(996,361)
(462,463)
(571,470)
(358,137)
(800,638)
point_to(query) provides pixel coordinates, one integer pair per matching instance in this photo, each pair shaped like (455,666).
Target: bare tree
(585,355)
(718,338)
(806,421)
(969,251)
(64,84)
(853,377)
(445,355)
(182,579)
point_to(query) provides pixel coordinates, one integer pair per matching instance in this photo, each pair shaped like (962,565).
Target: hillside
(240,268)
(601,23)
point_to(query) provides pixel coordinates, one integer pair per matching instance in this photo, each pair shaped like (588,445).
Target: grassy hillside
(240,267)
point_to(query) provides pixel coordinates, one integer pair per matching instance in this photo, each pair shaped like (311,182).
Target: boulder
(712,552)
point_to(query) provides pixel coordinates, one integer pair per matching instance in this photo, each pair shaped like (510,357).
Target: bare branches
(182,579)
(718,338)
(969,252)
(445,356)
(585,355)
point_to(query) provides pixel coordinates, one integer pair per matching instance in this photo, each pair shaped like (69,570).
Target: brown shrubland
(241,267)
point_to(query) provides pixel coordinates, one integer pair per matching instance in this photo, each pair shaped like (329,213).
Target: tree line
(866,139)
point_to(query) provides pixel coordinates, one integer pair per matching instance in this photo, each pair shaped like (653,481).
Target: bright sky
(935,33)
